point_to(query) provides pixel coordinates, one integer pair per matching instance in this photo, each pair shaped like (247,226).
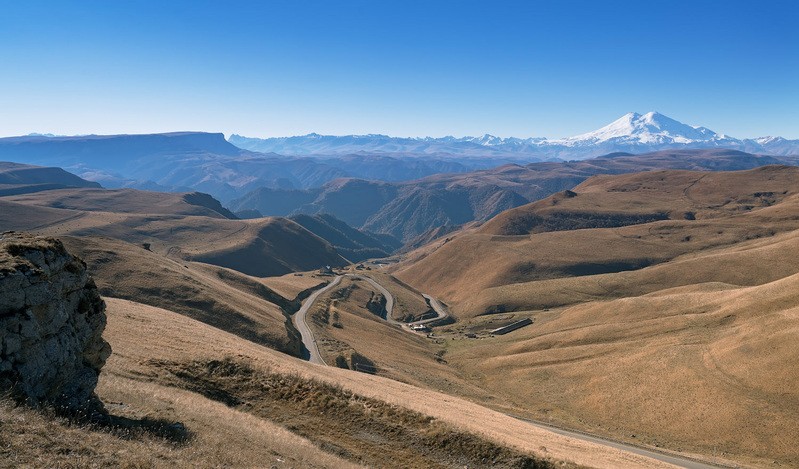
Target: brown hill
(709,368)
(678,332)
(204,292)
(607,225)
(174,225)
(128,201)
(18,178)
(409,209)
(232,391)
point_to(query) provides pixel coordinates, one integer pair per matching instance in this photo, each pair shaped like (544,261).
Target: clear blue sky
(406,68)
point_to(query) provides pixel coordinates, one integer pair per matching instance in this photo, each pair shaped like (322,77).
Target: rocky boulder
(51,324)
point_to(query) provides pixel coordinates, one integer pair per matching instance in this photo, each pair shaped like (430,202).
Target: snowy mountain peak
(631,133)
(649,128)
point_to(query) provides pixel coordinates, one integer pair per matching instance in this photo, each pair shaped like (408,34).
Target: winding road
(389,297)
(300,320)
(438,307)
(308,340)
(660,456)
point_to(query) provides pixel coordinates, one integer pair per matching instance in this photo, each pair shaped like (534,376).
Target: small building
(512,326)
(326,270)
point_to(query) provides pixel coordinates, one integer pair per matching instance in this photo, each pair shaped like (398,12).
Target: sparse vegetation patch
(354,427)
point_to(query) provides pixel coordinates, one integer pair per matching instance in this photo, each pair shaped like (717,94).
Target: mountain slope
(174,227)
(409,209)
(353,244)
(16,178)
(640,327)
(606,225)
(156,370)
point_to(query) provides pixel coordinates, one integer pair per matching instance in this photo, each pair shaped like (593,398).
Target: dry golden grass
(291,285)
(144,337)
(696,352)
(708,368)
(261,247)
(362,429)
(398,354)
(201,291)
(219,436)
(460,271)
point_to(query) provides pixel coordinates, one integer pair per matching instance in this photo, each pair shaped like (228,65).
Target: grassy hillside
(181,226)
(203,292)
(567,236)
(679,332)
(707,368)
(355,245)
(224,389)
(409,209)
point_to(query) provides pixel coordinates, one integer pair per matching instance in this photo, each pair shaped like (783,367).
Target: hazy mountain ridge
(186,161)
(355,245)
(632,132)
(409,209)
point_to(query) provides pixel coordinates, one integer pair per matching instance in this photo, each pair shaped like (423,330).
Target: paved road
(384,292)
(664,457)
(300,319)
(438,307)
(310,344)
(300,322)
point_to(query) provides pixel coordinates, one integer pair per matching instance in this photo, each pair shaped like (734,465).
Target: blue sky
(406,68)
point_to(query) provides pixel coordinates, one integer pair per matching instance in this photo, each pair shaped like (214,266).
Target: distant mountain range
(633,133)
(361,179)
(187,161)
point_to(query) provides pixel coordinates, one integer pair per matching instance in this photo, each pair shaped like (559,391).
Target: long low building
(512,326)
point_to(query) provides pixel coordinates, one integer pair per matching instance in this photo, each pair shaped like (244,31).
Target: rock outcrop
(377,305)
(51,324)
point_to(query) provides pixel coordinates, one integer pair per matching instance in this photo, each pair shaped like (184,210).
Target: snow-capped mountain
(633,133)
(650,128)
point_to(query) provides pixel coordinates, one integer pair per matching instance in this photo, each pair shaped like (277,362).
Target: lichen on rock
(51,324)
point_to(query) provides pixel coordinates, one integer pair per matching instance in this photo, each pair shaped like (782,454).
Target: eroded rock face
(51,324)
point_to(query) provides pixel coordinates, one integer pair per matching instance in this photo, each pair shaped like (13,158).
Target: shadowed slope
(173,226)
(567,235)
(409,209)
(18,178)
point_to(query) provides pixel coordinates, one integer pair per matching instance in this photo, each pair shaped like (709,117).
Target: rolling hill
(183,230)
(181,251)
(201,382)
(606,225)
(409,209)
(662,305)
(18,178)
(354,245)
